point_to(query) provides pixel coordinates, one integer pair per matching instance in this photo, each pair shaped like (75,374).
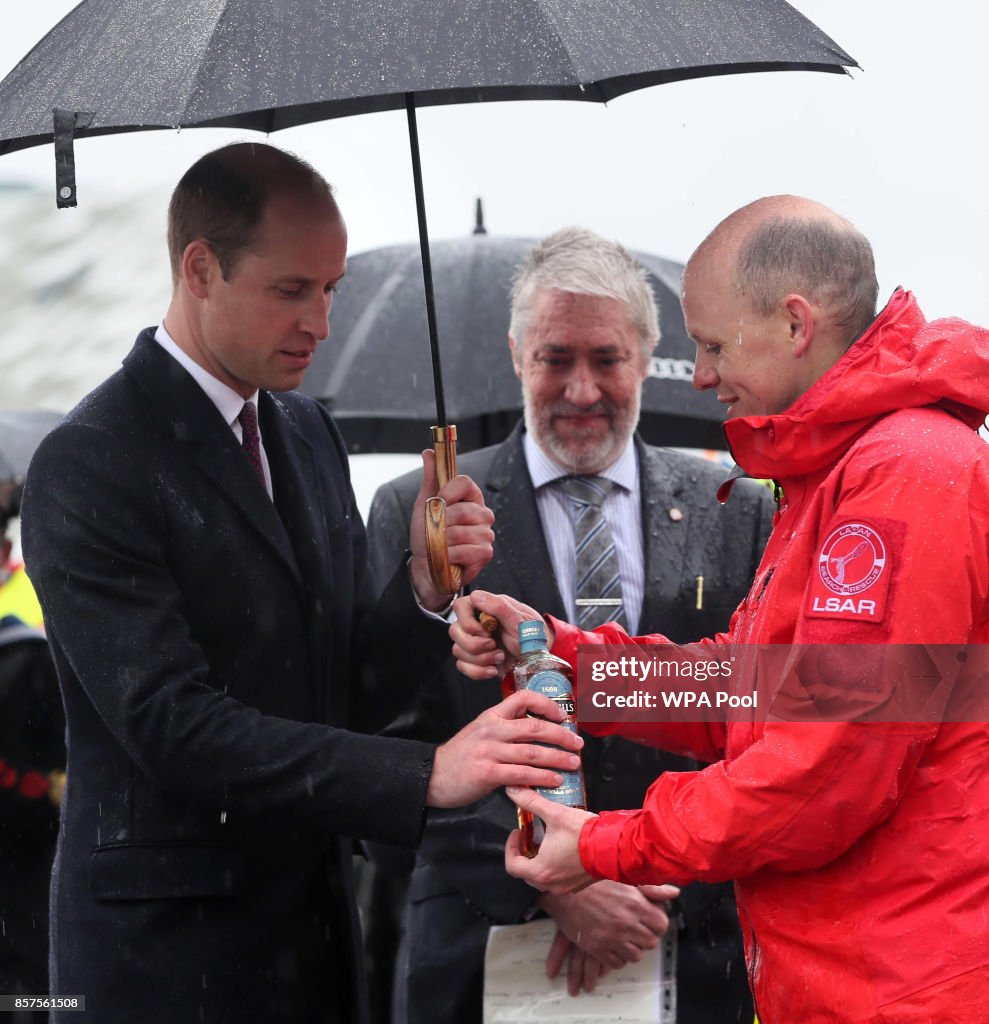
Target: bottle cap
(532,634)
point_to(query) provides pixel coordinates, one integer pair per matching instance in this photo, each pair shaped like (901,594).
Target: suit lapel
(665,527)
(523,567)
(295,483)
(301,505)
(192,420)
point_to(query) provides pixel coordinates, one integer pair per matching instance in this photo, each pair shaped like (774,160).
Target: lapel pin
(676,515)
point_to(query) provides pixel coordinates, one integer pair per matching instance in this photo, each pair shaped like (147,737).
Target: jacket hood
(900,362)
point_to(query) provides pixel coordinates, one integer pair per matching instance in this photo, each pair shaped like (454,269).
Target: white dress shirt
(622,510)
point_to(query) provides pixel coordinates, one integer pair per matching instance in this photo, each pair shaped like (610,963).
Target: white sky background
(900,148)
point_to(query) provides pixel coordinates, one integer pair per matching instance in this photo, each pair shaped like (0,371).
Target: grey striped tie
(598,585)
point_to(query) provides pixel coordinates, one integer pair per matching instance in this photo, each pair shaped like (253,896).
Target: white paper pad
(516,987)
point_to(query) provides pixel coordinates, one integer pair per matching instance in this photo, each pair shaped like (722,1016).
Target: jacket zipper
(765,583)
(753,969)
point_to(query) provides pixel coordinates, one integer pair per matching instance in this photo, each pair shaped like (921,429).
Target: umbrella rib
(194,85)
(589,87)
(358,337)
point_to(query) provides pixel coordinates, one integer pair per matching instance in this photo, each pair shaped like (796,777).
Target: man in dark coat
(584,325)
(32,773)
(193,537)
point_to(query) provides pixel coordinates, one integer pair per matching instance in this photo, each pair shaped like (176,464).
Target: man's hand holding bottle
(516,743)
(479,653)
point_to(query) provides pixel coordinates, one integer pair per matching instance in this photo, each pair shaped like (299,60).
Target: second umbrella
(374,374)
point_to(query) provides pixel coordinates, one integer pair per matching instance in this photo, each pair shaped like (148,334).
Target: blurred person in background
(32,776)
(17,596)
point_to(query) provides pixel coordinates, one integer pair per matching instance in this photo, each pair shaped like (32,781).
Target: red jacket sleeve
(765,808)
(704,741)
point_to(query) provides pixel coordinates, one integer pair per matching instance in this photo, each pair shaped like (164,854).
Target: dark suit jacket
(462,853)
(206,641)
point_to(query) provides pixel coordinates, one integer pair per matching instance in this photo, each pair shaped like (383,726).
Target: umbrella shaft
(427,270)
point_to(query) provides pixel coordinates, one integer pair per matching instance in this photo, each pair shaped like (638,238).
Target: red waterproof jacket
(860,850)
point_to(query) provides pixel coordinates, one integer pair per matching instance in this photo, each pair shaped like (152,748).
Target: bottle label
(557,687)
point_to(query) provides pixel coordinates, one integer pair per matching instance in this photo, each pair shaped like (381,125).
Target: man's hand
(469,537)
(583,970)
(608,925)
(479,654)
(504,747)
(557,867)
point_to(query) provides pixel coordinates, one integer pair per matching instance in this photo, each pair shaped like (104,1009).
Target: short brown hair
(830,263)
(221,198)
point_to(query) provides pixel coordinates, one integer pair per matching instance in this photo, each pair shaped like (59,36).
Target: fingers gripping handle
(446,577)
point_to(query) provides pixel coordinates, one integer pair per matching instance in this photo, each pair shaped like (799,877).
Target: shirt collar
(227,401)
(543,469)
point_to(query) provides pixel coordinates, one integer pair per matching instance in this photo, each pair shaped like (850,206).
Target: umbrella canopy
(21,431)
(374,372)
(118,65)
(124,66)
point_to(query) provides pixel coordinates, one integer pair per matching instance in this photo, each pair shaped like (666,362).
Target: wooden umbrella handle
(446,577)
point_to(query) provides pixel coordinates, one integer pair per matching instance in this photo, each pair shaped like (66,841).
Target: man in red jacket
(859,849)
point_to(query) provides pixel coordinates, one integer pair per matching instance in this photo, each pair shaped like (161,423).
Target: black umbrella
(21,431)
(374,373)
(112,66)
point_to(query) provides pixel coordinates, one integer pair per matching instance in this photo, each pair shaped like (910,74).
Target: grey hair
(829,263)
(579,261)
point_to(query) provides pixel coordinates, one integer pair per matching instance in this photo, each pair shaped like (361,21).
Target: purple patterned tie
(251,439)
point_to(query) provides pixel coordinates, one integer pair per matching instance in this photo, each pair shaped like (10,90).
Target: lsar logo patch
(852,559)
(852,574)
